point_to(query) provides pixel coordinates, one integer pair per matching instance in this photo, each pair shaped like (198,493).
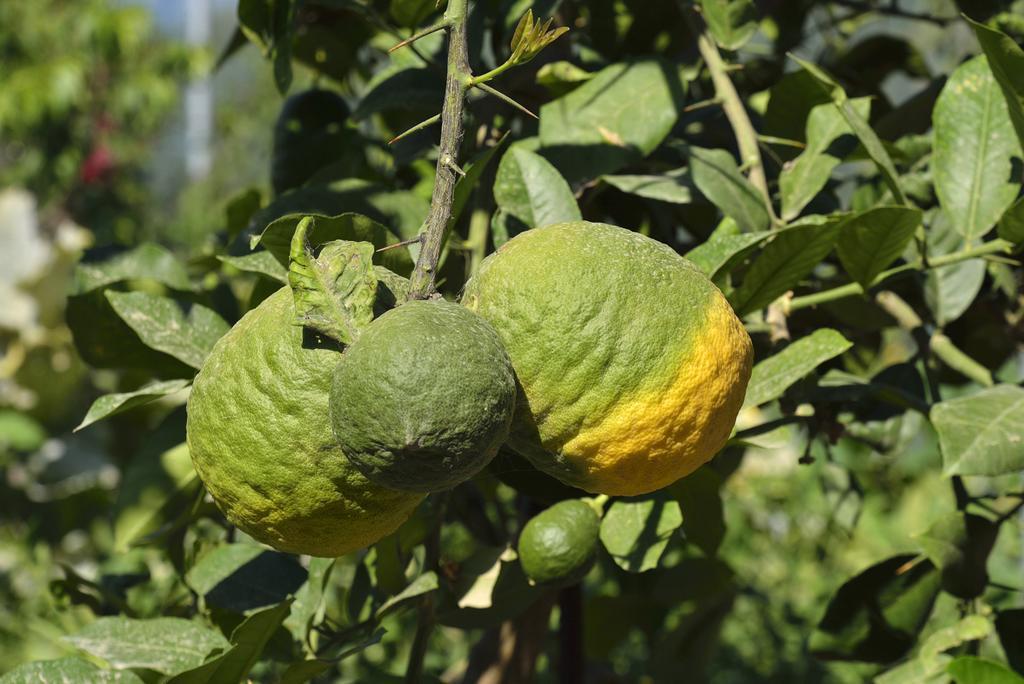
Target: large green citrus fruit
(558,545)
(260,436)
(424,398)
(632,364)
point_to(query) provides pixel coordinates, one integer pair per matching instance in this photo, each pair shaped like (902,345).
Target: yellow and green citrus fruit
(558,545)
(632,364)
(424,398)
(260,436)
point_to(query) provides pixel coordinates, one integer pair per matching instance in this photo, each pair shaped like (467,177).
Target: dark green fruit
(424,398)
(310,134)
(558,546)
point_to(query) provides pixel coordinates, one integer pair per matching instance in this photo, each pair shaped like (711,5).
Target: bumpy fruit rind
(424,398)
(558,545)
(632,364)
(260,437)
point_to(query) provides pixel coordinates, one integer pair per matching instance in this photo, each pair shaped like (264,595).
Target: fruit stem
(457,83)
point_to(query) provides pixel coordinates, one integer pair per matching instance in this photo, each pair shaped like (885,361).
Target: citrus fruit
(558,545)
(260,436)
(632,364)
(424,398)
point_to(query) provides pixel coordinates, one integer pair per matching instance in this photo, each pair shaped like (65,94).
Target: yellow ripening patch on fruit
(677,424)
(631,364)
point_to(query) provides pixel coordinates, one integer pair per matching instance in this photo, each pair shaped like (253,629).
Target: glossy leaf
(731,22)
(167,645)
(876,616)
(154,489)
(635,531)
(617,117)
(1011,225)
(308,608)
(145,262)
(774,375)
(982,433)
(959,544)
(262,262)
(242,577)
(424,584)
(974,149)
(1006,60)
(869,242)
(950,290)
(672,187)
(860,127)
(784,263)
(247,643)
(724,249)
(277,238)
(112,404)
(529,188)
(717,176)
(804,177)
(65,670)
(334,291)
(700,503)
(974,670)
(162,325)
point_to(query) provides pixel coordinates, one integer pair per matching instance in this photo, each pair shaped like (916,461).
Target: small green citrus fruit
(424,398)
(558,545)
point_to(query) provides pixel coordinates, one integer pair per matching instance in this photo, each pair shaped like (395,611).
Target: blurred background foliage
(835,472)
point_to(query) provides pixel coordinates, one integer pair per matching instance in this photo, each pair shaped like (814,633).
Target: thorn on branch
(419,34)
(404,243)
(504,98)
(448,161)
(418,127)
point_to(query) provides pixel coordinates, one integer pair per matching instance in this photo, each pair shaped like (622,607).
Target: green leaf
(719,179)
(262,262)
(972,164)
(302,671)
(723,250)
(1010,627)
(335,291)
(982,434)
(162,325)
(529,188)
(804,177)
(417,89)
(308,609)
(871,240)
(700,503)
(466,184)
(1006,60)
(424,584)
(247,643)
(112,404)
(153,491)
(168,645)
(931,661)
(859,125)
(876,616)
(974,670)
(950,290)
(145,262)
(66,670)
(959,545)
(784,263)
(1011,225)
(673,187)
(242,577)
(411,13)
(773,376)
(277,238)
(617,117)
(731,22)
(240,210)
(635,531)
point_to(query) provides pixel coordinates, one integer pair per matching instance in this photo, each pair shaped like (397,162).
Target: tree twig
(427,616)
(456,84)
(735,112)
